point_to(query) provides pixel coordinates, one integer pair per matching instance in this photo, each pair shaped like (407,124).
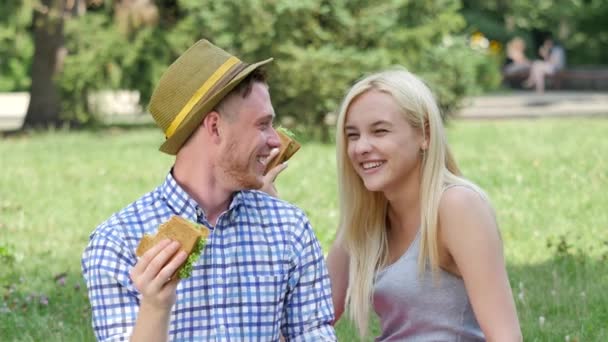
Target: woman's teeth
(371,165)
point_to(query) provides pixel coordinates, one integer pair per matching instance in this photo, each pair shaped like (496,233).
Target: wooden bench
(577,78)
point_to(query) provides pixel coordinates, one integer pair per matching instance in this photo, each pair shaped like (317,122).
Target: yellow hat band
(200,93)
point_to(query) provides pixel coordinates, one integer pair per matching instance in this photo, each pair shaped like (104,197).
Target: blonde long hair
(362,226)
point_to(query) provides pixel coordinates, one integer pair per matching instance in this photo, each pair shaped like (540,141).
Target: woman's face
(383,147)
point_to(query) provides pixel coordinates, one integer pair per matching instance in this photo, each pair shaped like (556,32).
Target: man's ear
(212,125)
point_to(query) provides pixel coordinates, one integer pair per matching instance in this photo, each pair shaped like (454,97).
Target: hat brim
(201,109)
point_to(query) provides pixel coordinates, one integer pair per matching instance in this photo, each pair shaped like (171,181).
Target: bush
(16,46)
(455,70)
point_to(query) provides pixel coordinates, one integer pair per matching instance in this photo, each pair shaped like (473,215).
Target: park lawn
(548,180)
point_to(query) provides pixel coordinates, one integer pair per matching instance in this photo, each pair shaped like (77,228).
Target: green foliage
(454,70)
(93,63)
(16,45)
(322,47)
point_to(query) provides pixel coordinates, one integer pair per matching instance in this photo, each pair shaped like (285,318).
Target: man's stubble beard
(236,171)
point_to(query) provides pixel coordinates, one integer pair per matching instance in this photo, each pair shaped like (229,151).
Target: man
(261,274)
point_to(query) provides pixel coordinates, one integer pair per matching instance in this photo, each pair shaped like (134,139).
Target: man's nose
(273,138)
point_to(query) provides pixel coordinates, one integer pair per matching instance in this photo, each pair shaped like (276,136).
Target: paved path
(123,106)
(523,104)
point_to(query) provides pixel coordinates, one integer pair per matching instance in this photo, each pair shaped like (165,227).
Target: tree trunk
(45,104)
(44,109)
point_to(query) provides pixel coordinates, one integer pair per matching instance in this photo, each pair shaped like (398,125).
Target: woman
(416,241)
(517,63)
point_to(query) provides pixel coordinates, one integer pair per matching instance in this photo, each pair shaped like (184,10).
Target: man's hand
(158,292)
(271,176)
(151,275)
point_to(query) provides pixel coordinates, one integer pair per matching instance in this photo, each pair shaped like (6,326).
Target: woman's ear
(427,136)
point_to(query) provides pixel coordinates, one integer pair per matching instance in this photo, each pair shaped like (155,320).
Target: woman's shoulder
(463,201)
(466,223)
(455,193)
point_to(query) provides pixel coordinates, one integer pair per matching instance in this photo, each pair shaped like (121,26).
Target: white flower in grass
(521,296)
(553,292)
(541,321)
(567,338)
(521,285)
(583,294)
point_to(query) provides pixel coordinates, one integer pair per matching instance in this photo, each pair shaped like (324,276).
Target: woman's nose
(362,145)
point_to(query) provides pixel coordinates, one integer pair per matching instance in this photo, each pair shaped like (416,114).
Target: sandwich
(289,146)
(191,236)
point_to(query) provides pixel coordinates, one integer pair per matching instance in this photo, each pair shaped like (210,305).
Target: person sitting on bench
(516,62)
(554,59)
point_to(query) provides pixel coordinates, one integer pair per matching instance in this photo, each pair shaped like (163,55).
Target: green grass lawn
(548,180)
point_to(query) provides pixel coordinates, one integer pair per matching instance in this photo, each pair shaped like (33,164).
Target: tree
(49,53)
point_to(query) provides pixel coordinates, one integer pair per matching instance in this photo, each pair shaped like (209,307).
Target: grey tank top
(414,307)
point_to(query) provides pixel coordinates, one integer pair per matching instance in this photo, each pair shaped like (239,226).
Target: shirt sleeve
(114,302)
(308,311)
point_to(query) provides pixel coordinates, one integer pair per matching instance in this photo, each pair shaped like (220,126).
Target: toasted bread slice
(287,149)
(177,229)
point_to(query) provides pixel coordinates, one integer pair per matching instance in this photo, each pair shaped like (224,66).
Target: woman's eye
(352,136)
(381,131)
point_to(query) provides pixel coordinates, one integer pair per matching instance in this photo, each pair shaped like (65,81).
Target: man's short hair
(244,88)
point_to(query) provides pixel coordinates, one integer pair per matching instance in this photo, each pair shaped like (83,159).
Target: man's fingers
(274,172)
(161,259)
(145,259)
(273,153)
(172,266)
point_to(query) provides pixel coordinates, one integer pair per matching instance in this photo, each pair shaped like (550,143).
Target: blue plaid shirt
(261,273)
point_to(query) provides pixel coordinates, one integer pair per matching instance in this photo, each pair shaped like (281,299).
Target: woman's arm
(469,233)
(337,264)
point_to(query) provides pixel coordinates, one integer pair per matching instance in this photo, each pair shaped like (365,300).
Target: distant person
(417,242)
(262,273)
(553,60)
(517,63)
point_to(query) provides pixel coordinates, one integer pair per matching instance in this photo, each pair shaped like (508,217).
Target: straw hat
(191,87)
